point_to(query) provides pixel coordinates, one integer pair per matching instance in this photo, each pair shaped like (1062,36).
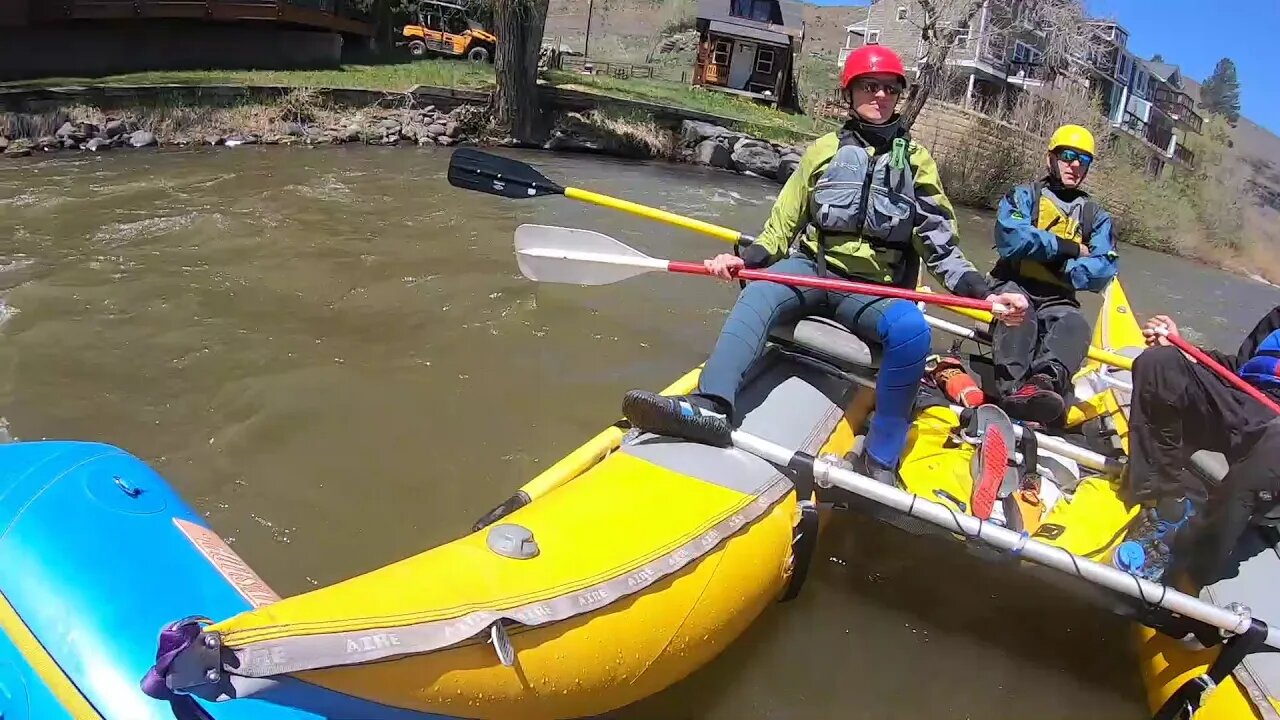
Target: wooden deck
(333,15)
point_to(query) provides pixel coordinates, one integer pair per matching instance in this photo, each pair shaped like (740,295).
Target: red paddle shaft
(1226,374)
(841,286)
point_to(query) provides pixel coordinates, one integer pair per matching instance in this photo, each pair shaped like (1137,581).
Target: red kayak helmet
(870,59)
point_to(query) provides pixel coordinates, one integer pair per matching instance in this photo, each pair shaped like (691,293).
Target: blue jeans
(897,325)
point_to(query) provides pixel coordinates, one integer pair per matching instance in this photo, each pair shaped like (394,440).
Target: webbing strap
(1189,698)
(175,639)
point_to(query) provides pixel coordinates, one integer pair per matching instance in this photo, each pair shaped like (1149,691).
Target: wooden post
(586,50)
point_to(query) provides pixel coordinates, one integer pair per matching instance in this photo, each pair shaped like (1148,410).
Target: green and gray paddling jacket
(868,217)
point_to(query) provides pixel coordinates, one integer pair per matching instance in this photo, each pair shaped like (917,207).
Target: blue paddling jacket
(1258,358)
(1054,241)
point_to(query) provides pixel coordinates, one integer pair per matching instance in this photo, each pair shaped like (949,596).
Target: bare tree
(1057,29)
(519,25)
(944,22)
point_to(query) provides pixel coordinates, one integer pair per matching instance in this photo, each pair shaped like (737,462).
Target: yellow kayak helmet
(1072,136)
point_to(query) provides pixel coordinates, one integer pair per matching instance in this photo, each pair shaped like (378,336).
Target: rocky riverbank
(706,144)
(87,129)
(302,120)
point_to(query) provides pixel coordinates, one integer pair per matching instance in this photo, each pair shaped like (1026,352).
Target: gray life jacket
(861,196)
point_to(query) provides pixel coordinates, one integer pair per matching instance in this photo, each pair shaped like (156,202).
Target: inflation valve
(513,541)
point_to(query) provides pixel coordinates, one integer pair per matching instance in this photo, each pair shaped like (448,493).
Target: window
(873,37)
(766,11)
(1123,67)
(962,37)
(1113,103)
(1024,53)
(720,53)
(456,24)
(1122,38)
(1140,84)
(902,13)
(764,61)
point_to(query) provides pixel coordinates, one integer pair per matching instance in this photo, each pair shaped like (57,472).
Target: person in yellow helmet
(1054,241)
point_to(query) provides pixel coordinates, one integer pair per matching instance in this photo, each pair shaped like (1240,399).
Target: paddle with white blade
(547,253)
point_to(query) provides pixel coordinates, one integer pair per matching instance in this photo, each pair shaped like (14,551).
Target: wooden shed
(749,48)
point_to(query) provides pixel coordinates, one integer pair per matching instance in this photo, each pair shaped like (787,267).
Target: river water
(332,354)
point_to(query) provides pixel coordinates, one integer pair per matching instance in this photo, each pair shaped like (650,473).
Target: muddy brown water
(332,354)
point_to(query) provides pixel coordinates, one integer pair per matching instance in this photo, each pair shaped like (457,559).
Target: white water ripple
(124,232)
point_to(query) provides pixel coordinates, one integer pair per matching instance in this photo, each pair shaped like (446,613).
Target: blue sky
(1186,33)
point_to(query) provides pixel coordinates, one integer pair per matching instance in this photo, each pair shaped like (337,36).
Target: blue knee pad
(905,335)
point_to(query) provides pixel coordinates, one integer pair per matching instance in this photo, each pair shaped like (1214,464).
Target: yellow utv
(445,29)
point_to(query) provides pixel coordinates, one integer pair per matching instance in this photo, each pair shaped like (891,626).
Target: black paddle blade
(476,170)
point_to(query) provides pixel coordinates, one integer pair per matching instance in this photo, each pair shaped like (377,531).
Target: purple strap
(174,639)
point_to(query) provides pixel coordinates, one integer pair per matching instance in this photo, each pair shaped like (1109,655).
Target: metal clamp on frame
(804,539)
(1189,698)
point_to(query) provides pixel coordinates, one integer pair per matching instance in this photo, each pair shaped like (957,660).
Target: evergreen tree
(1157,58)
(1221,92)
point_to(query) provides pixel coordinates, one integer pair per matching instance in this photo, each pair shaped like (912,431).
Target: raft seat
(1212,466)
(830,340)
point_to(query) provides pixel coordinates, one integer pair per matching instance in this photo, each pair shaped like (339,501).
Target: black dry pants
(1180,407)
(1053,342)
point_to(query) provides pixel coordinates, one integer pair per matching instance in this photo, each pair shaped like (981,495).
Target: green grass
(401,77)
(755,118)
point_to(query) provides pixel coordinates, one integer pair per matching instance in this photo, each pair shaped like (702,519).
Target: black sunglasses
(872,87)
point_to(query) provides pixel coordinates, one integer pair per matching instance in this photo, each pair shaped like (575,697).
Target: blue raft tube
(98,555)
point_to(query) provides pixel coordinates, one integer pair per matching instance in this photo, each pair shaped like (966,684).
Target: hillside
(1260,149)
(627,30)
(1257,151)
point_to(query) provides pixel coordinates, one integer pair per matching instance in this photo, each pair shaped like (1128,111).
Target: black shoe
(1036,401)
(683,416)
(863,464)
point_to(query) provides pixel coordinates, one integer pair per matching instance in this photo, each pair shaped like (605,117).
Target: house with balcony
(1105,64)
(997,53)
(748,48)
(1002,52)
(1158,111)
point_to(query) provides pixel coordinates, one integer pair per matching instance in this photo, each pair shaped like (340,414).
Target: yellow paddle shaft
(706,228)
(1097,354)
(586,456)
(733,236)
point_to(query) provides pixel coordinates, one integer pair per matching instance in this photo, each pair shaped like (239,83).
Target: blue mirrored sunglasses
(1069,156)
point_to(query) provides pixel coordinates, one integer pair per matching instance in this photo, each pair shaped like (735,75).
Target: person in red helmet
(865,204)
